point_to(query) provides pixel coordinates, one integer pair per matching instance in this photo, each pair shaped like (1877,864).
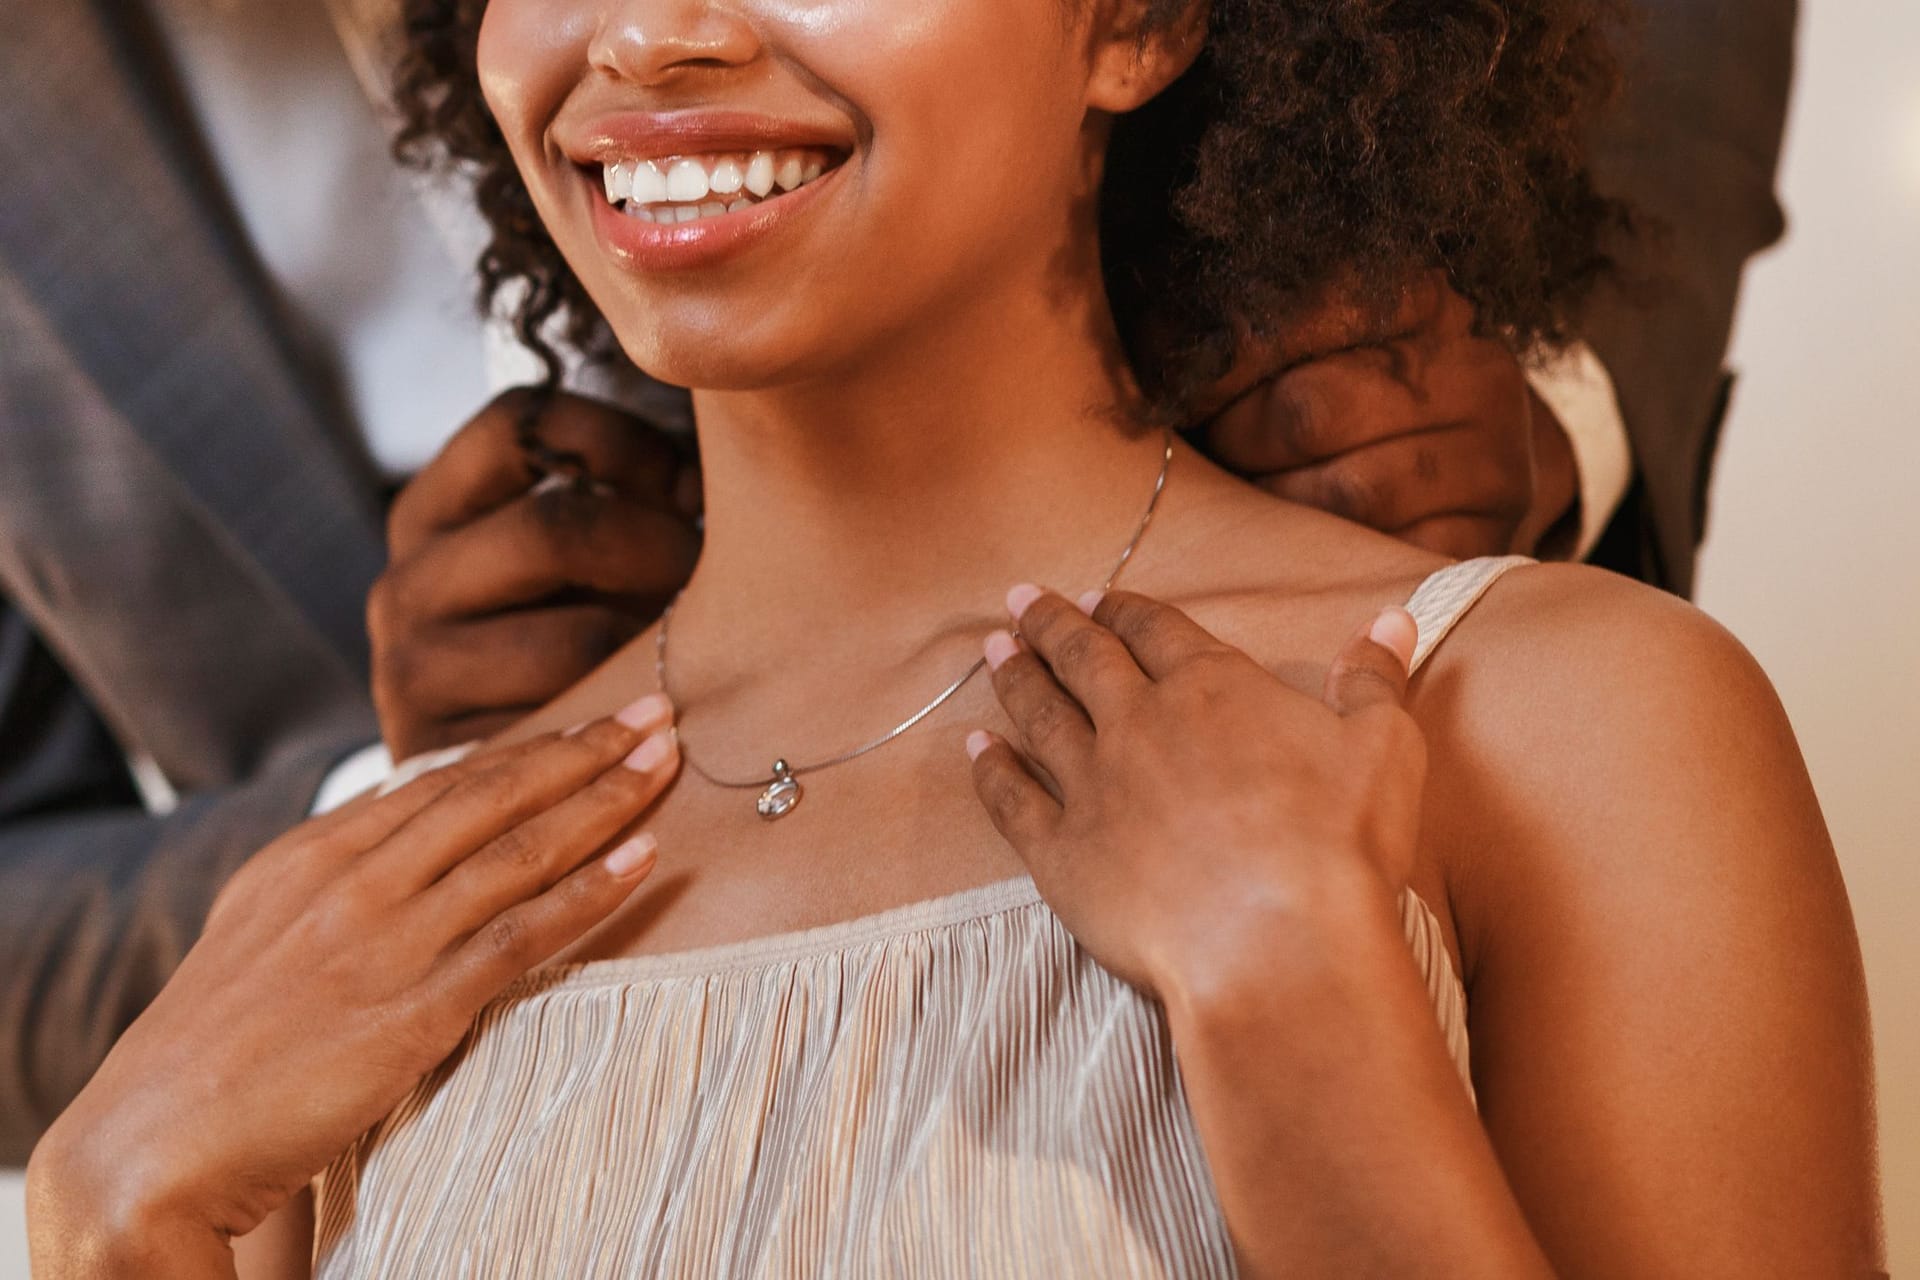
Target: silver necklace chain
(780,790)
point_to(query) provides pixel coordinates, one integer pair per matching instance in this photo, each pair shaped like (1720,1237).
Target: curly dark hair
(1314,145)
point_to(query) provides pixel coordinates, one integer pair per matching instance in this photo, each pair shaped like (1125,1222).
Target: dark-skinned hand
(338,967)
(503,590)
(1174,800)
(1410,424)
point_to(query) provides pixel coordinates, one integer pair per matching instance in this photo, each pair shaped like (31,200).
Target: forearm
(1335,1124)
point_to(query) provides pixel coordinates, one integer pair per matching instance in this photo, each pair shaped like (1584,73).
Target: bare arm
(1670,1023)
(1668,1009)
(1668,1014)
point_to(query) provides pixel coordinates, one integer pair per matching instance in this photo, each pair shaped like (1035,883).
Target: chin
(721,349)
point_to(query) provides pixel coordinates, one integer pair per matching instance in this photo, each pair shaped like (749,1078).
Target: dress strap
(1444,598)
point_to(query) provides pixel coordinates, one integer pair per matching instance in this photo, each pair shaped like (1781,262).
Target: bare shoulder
(1564,665)
(1667,1005)
(1580,718)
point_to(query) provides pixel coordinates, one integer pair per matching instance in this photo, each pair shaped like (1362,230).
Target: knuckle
(1040,621)
(383,613)
(1081,647)
(337,917)
(507,939)
(1140,620)
(1048,722)
(515,850)
(493,795)
(500,420)
(1215,666)
(1301,415)
(1344,491)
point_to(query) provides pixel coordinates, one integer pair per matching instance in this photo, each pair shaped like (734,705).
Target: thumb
(1372,669)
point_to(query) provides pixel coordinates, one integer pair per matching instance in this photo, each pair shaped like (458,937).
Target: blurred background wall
(1814,553)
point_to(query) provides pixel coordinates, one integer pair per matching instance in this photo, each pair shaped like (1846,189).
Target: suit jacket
(187,536)
(1695,150)
(188,531)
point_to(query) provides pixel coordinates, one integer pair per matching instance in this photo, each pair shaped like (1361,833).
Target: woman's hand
(1179,806)
(339,966)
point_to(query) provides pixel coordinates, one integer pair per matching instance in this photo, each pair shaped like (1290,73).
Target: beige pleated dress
(950,1089)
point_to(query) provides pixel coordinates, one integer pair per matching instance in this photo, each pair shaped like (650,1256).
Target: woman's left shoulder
(1557,647)
(1601,749)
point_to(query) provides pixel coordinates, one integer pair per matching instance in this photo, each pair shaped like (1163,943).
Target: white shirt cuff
(364,769)
(372,768)
(1577,387)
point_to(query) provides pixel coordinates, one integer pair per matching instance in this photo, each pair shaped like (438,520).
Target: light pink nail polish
(1090,601)
(646,713)
(999,647)
(633,855)
(1021,599)
(977,741)
(652,753)
(1395,630)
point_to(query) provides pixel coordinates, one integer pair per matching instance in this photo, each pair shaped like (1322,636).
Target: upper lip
(649,135)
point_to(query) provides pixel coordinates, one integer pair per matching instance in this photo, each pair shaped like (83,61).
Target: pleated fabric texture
(950,1089)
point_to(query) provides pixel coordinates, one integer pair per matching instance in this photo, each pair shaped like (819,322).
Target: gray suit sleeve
(1695,149)
(99,900)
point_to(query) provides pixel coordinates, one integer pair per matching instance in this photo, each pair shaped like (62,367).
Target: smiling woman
(1331,143)
(1162,955)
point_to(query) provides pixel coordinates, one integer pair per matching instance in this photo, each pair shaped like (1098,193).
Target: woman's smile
(673,191)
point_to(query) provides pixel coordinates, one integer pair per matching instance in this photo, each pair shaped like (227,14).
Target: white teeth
(727,178)
(619,179)
(687,180)
(759,177)
(649,184)
(676,191)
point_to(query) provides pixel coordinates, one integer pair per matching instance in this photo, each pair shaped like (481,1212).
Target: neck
(1001,446)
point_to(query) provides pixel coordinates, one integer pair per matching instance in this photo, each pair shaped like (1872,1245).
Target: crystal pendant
(782,794)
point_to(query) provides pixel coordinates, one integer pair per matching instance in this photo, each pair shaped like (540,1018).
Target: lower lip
(683,246)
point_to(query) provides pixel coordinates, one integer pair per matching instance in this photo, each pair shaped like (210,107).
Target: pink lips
(659,247)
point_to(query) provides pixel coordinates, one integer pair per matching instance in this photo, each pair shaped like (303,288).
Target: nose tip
(654,40)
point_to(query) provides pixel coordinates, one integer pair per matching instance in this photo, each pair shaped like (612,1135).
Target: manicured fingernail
(652,753)
(1000,646)
(634,856)
(977,741)
(1090,601)
(1021,598)
(1395,629)
(652,710)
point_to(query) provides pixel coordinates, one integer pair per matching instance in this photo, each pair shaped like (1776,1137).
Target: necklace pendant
(782,795)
